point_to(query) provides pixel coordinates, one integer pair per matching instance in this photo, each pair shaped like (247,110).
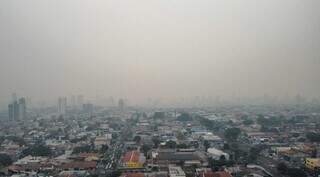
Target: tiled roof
(80,165)
(215,174)
(132,175)
(85,155)
(132,156)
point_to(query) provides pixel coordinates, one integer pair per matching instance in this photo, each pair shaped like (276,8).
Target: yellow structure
(132,160)
(312,163)
(89,156)
(134,165)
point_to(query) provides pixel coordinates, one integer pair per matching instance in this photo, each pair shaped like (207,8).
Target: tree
(273,121)
(254,153)
(232,134)
(292,172)
(296,172)
(17,140)
(159,115)
(116,173)
(1,139)
(226,146)
(81,149)
(104,148)
(171,144)
(282,168)
(248,122)
(155,168)
(37,150)
(222,158)
(182,146)
(206,144)
(91,127)
(184,117)
(145,149)
(313,137)
(137,139)
(156,141)
(218,164)
(5,160)
(114,136)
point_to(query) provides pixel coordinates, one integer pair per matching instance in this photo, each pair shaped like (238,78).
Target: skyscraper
(11,112)
(73,102)
(121,104)
(14,97)
(88,108)
(13,108)
(62,105)
(22,108)
(80,100)
(17,110)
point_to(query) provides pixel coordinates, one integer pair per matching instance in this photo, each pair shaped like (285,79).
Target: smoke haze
(159,48)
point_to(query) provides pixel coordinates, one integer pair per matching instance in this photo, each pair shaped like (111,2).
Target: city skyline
(160,88)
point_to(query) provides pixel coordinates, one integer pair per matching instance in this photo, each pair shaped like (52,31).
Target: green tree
(182,146)
(116,173)
(104,148)
(226,146)
(218,164)
(296,172)
(254,153)
(313,137)
(81,149)
(282,168)
(156,141)
(171,144)
(114,136)
(232,134)
(206,144)
(159,115)
(137,139)
(184,117)
(37,150)
(17,140)
(145,149)
(5,160)
(248,122)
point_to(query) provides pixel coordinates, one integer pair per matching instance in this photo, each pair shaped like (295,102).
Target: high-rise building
(121,104)
(11,112)
(80,100)
(12,107)
(17,110)
(73,102)
(88,108)
(62,105)
(22,108)
(14,97)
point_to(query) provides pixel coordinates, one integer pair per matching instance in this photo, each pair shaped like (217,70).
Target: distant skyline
(179,102)
(165,49)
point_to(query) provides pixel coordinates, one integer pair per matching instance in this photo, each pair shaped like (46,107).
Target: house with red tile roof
(215,174)
(133,159)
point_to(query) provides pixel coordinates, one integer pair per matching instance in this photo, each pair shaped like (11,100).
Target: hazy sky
(159,48)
